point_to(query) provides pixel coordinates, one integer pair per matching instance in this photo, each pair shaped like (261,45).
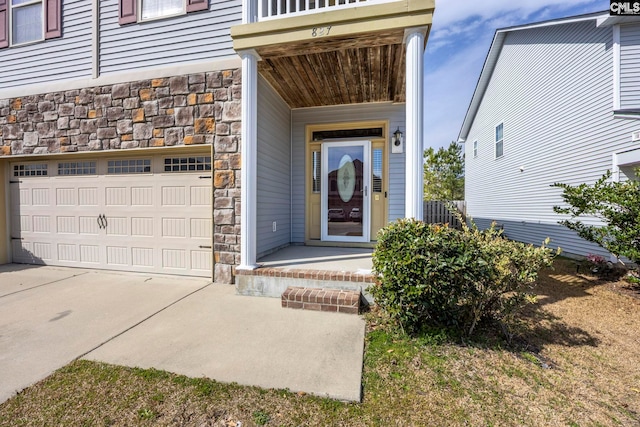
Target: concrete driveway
(50,316)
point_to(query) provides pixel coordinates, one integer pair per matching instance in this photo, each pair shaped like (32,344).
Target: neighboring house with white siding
(556,101)
(194,136)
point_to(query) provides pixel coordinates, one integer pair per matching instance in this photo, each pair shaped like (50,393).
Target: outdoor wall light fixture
(396,141)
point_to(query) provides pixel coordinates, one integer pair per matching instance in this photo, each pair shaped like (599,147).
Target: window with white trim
(376,182)
(30,169)
(316,160)
(132,11)
(153,9)
(119,167)
(187,164)
(499,140)
(475,149)
(28,21)
(76,168)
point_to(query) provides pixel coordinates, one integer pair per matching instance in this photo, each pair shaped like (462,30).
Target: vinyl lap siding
(535,234)
(552,89)
(629,65)
(195,37)
(57,59)
(274,170)
(344,113)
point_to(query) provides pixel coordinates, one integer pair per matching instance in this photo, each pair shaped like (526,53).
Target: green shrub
(435,275)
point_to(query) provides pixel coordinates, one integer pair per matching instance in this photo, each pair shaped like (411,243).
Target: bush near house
(615,203)
(435,275)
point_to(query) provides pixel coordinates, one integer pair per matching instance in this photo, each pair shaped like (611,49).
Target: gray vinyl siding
(535,234)
(194,37)
(553,90)
(274,166)
(395,114)
(629,66)
(68,57)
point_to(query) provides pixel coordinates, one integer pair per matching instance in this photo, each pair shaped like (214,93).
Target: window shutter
(128,14)
(196,5)
(53,19)
(4,23)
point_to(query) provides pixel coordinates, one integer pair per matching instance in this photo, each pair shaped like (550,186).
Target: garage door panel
(201,228)
(88,225)
(116,196)
(20,224)
(201,260)
(66,225)
(88,196)
(173,196)
(173,227)
(20,196)
(174,259)
(65,197)
(142,226)
(68,252)
(117,226)
(142,257)
(42,250)
(40,197)
(142,196)
(90,254)
(117,255)
(201,196)
(41,223)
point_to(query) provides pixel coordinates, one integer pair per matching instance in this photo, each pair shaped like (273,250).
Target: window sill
(26,43)
(160,18)
(631,113)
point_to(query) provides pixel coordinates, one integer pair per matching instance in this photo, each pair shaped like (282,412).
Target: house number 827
(320,31)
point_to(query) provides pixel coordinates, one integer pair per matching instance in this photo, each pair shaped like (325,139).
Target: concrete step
(272,282)
(331,300)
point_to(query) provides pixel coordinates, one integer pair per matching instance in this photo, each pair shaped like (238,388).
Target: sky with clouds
(458,44)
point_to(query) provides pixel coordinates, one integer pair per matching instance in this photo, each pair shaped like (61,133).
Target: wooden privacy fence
(437,212)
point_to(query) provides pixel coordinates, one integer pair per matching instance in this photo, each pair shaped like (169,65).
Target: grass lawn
(574,362)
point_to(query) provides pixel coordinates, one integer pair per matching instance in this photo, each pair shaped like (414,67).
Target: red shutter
(53,19)
(128,13)
(196,5)
(4,23)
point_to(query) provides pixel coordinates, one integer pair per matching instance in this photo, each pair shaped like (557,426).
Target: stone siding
(202,108)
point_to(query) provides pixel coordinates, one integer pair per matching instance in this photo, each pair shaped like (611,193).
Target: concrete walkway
(50,316)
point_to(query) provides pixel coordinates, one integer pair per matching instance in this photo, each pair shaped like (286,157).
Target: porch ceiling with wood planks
(352,55)
(344,70)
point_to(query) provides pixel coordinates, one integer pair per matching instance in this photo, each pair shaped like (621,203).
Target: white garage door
(146,214)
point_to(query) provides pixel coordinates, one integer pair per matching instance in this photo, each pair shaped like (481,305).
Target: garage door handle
(102,221)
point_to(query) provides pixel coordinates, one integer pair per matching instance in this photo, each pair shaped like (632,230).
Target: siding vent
(635,136)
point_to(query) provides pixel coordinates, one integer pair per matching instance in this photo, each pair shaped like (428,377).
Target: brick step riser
(329,300)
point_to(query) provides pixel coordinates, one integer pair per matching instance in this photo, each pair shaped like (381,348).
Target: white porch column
(248,174)
(414,39)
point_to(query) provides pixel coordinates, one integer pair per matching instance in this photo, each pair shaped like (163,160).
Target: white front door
(345,191)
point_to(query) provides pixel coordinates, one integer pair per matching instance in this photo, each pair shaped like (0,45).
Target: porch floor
(354,260)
